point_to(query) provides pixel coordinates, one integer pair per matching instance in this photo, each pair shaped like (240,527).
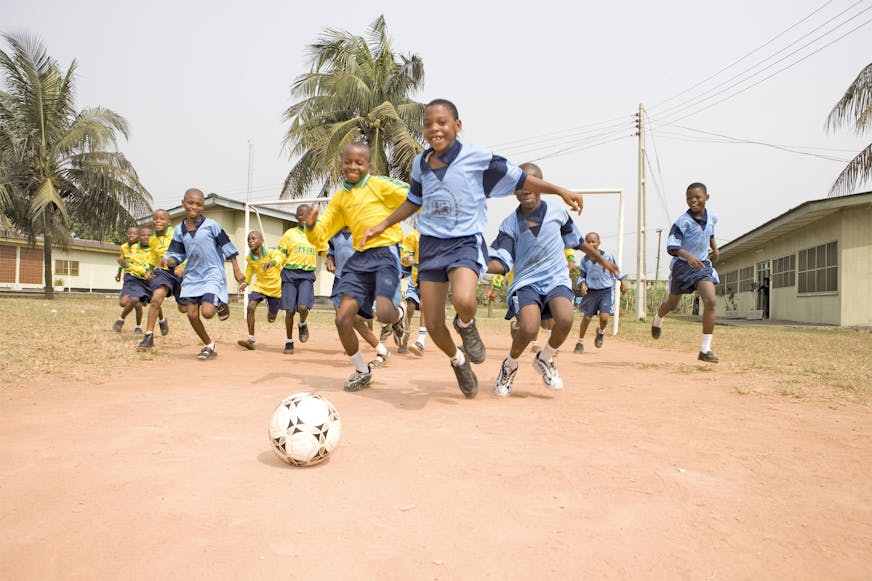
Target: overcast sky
(555,82)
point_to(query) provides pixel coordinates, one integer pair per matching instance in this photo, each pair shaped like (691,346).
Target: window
(66,268)
(818,270)
(784,271)
(729,283)
(746,279)
(8,258)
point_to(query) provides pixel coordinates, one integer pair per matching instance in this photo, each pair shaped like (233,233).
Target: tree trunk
(47,266)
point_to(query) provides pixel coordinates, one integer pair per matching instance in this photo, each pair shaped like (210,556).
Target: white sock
(458,358)
(706,342)
(422,335)
(381,349)
(358,362)
(463,325)
(547,352)
(251,338)
(513,363)
(657,321)
(402,316)
(139,327)
(211,345)
(149,332)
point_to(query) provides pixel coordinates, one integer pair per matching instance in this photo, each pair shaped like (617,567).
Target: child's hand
(371,232)
(240,278)
(715,254)
(121,261)
(623,287)
(583,288)
(242,286)
(574,199)
(118,277)
(312,215)
(407,260)
(162,263)
(331,266)
(695,262)
(179,271)
(611,267)
(268,265)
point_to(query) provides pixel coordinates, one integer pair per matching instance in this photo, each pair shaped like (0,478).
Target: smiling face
(144,236)
(440,127)
(696,199)
(255,241)
(193,203)
(160,220)
(132,235)
(593,240)
(355,162)
(528,200)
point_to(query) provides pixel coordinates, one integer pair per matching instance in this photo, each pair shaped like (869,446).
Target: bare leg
(433,298)
(346,314)
(706,290)
(464,283)
(561,321)
(193,310)
(249,316)
(154,309)
(365,331)
(289,324)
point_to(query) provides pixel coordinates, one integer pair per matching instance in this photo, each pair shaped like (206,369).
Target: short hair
(356,145)
(444,103)
(593,234)
(696,185)
(194,192)
(531,168)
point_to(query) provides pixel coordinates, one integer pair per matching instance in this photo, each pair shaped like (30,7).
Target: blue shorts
(528,296)
(298,289)
(683,278)
(437,256)
(272,303)
(597,300)
(372,273)
(162,277)
(206,299)
(413,294)
(136,288)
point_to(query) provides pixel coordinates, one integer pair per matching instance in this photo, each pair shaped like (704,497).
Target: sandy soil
(647,466)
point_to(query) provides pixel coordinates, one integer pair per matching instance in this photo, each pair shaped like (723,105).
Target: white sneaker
(503,385)
(550,377)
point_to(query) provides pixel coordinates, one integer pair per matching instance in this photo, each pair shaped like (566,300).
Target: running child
(264,264)
(691,238)
(409,254)
(598,293)
(298,279)
(530,243)
(163,280)
(204,244)
(373,271)
(451,183)
(133,287)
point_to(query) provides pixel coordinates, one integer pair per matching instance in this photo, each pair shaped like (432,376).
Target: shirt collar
(537,215)
(197,222)
(346,185)
(448,156)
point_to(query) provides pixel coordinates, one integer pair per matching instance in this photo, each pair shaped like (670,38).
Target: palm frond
(855,173)
(855,106)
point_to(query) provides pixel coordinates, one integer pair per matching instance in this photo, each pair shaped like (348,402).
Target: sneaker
(535,348)
(358,380)
(164,326)
(466,379)
(116,326)
(598,341)
(247,343)
(503,386)
(385,333)
(400,330)
(206,353)
(655,332)
(579,348)
(708,357)
(380,360)
(137,330)
(147,342)
(289,348)
(223,312)
(304,332)
(472,345)
(417,348)
(550,377)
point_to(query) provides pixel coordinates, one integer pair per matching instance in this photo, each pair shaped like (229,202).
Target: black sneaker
(655,332)
(304,332)
(137,330)
(466,379)
(247,343)
(289,348)
(579,348)
(598,340)
(147,342)
(358,380)
(472,344)
(401,331)
(223,312)
(116,326)
(380,360)
(164,326)
(708,357)
(206,353)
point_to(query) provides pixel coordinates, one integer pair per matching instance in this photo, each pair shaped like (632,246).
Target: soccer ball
(304,429)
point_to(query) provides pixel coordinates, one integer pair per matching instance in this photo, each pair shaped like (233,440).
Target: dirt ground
(646,466)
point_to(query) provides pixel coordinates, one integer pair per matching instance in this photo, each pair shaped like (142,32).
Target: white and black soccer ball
(304,429)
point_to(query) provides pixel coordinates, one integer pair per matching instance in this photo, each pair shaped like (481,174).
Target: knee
(561,326)
(708,302)
(344,324)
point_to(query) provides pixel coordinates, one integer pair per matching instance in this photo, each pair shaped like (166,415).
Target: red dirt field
(644,467)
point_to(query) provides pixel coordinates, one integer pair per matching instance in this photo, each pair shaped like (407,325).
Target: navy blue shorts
(136,288)
(372,273)
(683,278)
(335,297)
(206,299)
(298,289)
(162,277)
(528,296)
(272,303)
(597,300)
(439,255)
(413,294)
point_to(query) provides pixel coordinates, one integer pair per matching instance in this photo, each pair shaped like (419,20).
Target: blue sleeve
(674,240)
(584,268)
(501,177)
(570,233)
(177,251)
(416,190)
(503,249)
(223,241)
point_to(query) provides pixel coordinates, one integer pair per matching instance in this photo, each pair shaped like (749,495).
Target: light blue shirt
(206,249)
(453,198)
(341,249)
(594,275)
(688,234)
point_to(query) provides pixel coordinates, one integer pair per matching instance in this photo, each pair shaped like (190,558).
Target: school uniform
(693,236)
(600,285)
(205,248)
(268,285)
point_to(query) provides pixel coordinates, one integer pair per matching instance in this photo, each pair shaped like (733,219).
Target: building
(812,264)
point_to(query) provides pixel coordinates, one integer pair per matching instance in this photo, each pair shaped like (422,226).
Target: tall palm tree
(854,108)
(358,90)
(59,166)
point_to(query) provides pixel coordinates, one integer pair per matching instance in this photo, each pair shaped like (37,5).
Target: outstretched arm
(398,215)
(574,199)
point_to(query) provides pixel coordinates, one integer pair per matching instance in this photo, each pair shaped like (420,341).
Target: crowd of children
(359,230)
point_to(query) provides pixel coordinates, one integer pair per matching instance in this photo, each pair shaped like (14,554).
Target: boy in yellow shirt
(298,279)
(264,264)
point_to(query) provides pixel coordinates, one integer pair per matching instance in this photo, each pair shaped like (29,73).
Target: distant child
(204,244)
(409,257)
(598,292)
(373,271)
(265,264)
(341,249)
(133,287)
(163,280)
(298,279)
(451,183)
(530,243)
(690,239)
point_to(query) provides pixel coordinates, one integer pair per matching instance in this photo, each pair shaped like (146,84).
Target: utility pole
(657,268)
(640,230)
(250,173)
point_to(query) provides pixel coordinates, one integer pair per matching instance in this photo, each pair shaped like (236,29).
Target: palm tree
(59,166)
(358,90)
(854,108)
